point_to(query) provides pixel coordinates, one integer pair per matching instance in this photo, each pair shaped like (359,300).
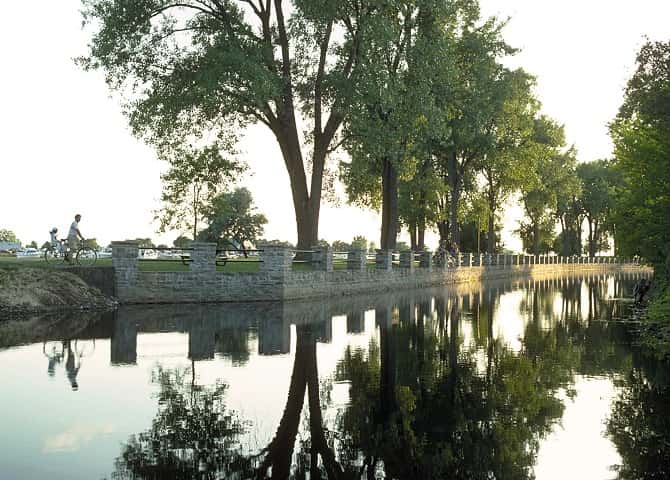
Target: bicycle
(84,256)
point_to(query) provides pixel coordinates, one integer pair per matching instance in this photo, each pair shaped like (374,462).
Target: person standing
(74,235)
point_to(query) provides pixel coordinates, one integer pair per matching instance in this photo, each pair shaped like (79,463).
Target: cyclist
(55,243)
(74,235)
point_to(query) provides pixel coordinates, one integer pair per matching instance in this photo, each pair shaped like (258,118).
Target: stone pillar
(357,260)
(480,260)
(467,259)
(407,260)
(123,345)
(203,257)
(275,260)
(322,258)
(124,261)
(274,335)
(384,260)
(201,340)
(426,260)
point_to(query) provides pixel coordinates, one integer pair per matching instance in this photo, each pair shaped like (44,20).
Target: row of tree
(641,136)
(437,131)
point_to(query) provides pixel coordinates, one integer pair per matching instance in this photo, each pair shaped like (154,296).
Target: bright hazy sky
(65,148)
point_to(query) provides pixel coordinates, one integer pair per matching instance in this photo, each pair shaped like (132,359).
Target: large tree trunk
(492,234)
(421,236)
(592,239)
(389,206)
(412,235)
(565,233)
(280,450)
(536,237)
(580,220)
(306,209)
(443,230)
(455,186)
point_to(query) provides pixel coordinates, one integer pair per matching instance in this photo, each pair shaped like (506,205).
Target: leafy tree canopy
(7,236)
(641,135)
(181,242)
(232,221)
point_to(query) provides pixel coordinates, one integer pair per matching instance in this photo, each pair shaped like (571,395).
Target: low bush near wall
(656,330)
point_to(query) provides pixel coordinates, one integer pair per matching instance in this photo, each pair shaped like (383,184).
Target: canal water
(515,380)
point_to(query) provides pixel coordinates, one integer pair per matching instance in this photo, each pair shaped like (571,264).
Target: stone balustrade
(277,278)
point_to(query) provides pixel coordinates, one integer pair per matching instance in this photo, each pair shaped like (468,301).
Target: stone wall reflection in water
(462,383)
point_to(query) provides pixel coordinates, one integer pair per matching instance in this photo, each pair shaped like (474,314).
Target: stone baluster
(357,260)
(426,260)
(275,260)
(384,260)
(124,261)
(407,260)
(322,258)
(203,257)
(467,259)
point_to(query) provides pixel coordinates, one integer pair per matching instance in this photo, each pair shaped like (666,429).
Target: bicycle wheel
(53,256)
(86,257)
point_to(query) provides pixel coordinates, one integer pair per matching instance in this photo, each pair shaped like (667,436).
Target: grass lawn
(238,265)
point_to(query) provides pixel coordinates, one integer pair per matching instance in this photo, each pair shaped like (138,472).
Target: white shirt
(73,230)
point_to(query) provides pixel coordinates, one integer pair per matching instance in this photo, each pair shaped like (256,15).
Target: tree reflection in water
(639,424)
(422,402)
(191,436)
(432,412)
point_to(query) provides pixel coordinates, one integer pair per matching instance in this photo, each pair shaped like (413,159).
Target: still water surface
(506,381)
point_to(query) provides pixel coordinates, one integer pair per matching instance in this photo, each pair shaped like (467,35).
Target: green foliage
(545,184)
(8,236)
(541,232)
(45,245)
(474,220)
(505,166)
(389,122)
(360,243)
(193,72)
(182,242)
(274,242)
(639,425)
(597,199)
(190,185)
(232,221)
(401,247)
(144,242)
(341,246)
(641,135)
(32,244)
(92,243)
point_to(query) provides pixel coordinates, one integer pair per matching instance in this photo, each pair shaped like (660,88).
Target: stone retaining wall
(277,281)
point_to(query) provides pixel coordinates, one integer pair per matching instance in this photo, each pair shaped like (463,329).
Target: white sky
(66,148)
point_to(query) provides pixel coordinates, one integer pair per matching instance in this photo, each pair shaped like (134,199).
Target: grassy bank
(655,334)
